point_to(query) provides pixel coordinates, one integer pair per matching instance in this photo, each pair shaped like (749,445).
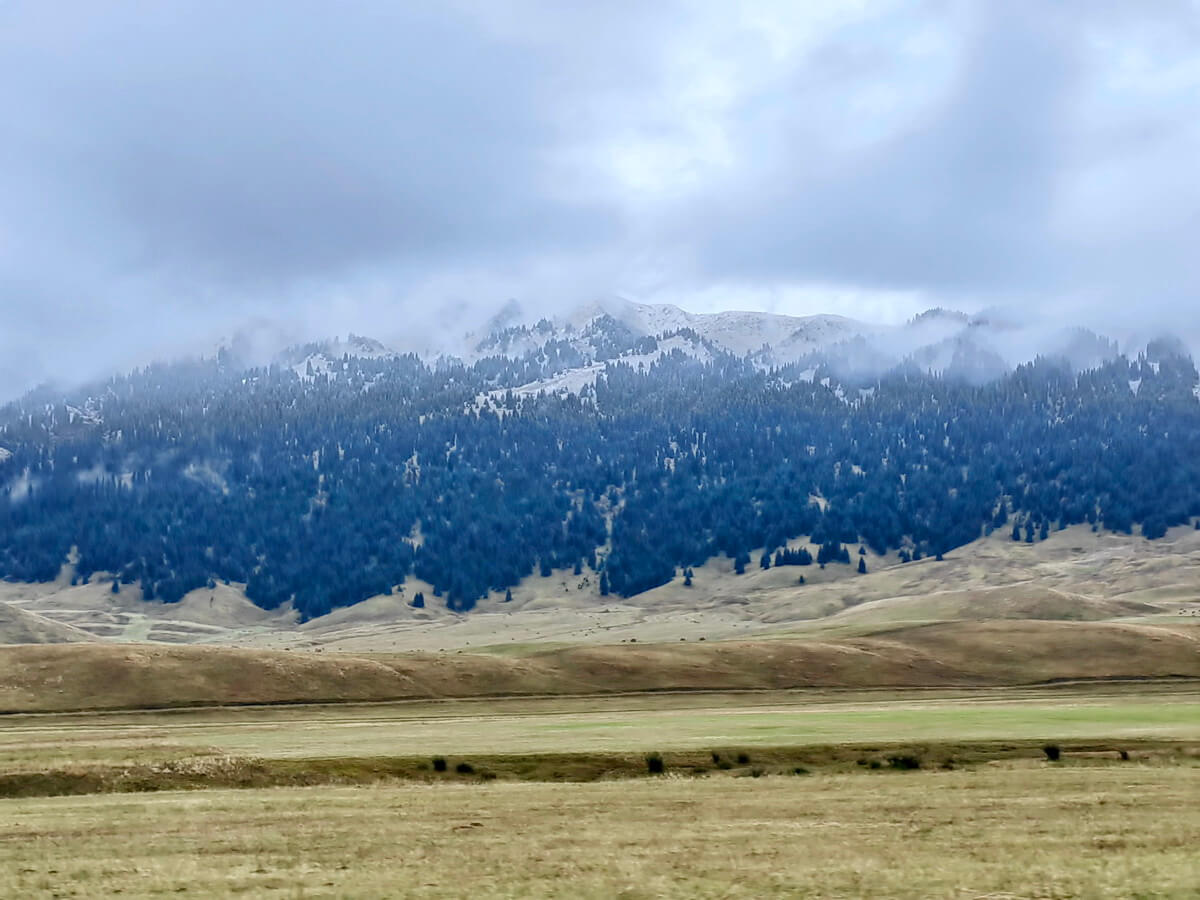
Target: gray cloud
(172,171)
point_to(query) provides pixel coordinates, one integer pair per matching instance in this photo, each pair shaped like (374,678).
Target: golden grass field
(59,677)
(344,801)
(997,832)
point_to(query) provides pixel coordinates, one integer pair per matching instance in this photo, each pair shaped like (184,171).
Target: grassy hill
(19,626)
(59,677)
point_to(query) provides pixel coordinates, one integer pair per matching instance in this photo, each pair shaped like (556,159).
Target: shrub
(464,768)
(1053,752)
(904,761)
(716,758)
(1124,755)
(655,764)
(439,764)
(743,759)
(799,770)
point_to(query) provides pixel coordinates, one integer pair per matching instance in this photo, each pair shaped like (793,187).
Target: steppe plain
(859,735)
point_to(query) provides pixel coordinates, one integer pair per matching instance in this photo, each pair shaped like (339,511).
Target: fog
(173,174)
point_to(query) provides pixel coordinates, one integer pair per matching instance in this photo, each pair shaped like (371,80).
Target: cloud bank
(171,172)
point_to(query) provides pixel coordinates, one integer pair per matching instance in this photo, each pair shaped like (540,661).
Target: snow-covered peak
(325,357)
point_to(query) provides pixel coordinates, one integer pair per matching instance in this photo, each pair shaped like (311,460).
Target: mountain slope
(17,626)
(650,455)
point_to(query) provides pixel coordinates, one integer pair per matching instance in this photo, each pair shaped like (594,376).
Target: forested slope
(327,489)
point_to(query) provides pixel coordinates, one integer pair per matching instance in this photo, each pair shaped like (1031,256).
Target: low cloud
(174,172)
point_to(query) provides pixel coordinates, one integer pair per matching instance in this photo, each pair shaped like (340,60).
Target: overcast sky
(170,172)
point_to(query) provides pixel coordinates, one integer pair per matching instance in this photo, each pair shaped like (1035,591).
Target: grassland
(59,677)
(1004,831)
(808,796)
(880,735)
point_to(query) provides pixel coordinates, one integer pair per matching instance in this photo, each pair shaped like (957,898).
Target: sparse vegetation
(736,837)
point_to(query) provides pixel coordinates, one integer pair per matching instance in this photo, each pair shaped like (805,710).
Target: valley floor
(817,793)
(1046,830)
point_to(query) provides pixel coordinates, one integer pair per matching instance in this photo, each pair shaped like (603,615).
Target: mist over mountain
(630,442)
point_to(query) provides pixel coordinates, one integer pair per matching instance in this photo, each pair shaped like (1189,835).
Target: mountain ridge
(335,474)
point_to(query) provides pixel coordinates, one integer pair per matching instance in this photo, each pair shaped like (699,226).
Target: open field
(809,795)
(1043,831)
(620,728)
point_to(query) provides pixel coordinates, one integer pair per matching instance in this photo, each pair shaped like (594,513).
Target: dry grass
(19,626)
(585,738)
(1119,831)
(108,676)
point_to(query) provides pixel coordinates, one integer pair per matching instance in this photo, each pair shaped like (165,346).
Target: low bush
(439,764)
(1053,752)
(655,764)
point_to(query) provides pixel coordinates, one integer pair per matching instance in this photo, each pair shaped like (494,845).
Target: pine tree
(739,563)
(862,566)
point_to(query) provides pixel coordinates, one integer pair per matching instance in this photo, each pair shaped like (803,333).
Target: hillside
(1075,575)
(17,626)
(105,676)
(626,458)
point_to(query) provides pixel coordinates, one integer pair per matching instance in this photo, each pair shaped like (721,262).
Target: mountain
(626,443)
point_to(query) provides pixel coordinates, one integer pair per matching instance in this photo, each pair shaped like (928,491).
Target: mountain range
(627,444)
(944,342)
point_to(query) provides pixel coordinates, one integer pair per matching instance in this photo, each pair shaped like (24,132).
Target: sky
(174,173)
